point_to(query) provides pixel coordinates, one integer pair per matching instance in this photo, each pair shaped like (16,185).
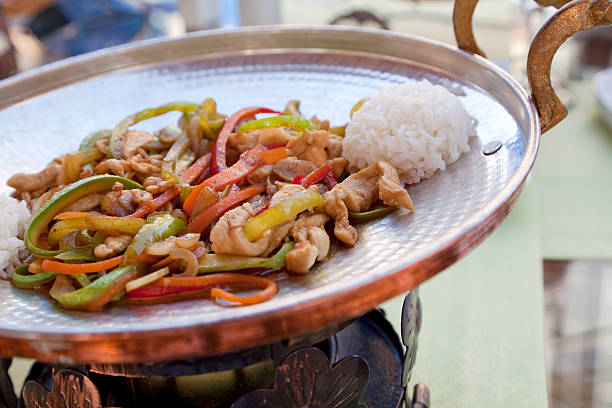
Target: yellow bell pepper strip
(291,122)
(73,269)
(361,217)
(68,215)
(125,225)
(338,130)
(90,139)
(206,217)
(118,133)
(220,148)
(209,263)
(358,106)
(157,228)
(74,162)
(100,291)
(248,162)
(281,212)
(21,279)
(210,120)
(62,199)
(173,285)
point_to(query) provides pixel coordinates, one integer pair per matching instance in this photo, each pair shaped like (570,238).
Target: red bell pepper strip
(316,176)
(197,168)
(220,148)
(298,179)
(330,179)
(170,285)
(206,217)
(247,163)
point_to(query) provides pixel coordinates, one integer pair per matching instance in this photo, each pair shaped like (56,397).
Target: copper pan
(47,111)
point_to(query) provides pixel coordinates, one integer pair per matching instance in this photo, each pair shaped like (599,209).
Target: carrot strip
(196,169)
(269,287)
(73,269)
(206,217)
(273,155)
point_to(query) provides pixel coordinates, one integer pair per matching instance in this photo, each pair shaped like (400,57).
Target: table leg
(7,394)
(411,326)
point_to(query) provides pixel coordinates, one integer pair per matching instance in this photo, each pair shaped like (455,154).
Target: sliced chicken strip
(312,242)
(310,146)
(359,191)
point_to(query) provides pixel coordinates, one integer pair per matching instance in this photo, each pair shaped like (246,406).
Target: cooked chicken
(313,242)
(121,202)
(338,165)
(117,167)
(227,236)
(310,146)
(357,193)
(290,167)
(112,246)
(272,136)
(334,146)
(44,179)
(86,203)
(243,141)
(134,139)
(260,174)
(157,185)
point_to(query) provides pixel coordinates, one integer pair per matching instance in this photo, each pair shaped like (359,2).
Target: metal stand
(362,365)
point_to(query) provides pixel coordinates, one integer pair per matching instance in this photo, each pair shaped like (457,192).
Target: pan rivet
(491,147)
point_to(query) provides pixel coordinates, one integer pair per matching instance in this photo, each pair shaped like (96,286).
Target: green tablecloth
(481,342)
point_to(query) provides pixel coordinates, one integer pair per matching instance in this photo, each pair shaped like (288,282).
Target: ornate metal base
(362,365)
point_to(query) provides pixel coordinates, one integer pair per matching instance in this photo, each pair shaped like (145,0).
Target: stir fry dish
(205,208)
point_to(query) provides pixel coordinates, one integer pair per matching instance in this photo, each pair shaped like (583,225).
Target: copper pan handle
(575,16)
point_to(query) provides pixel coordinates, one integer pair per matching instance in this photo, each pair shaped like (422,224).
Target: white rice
(14,215)
(417,127)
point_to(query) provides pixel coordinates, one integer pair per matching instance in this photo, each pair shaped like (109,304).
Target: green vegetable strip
(90,139)
(117,136)
(91,292)
(61,200)
(358,218)
(21,279)
(293,122)
(210,263)
(158,228)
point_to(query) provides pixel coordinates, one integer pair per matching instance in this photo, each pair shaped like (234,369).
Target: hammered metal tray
(47,112)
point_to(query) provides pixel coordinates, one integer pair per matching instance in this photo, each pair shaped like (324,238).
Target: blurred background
(576,254)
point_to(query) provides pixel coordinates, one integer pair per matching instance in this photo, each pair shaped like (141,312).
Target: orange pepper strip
(68,215)
(248,162)
(73,269)
(196,169)
(268,285)
(206,217)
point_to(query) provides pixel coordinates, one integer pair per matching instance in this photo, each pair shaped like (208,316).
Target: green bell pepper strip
(83,279)
(186,189)
(84,253)
(292,121)
(281,212)
(210,263)
(117,136)
(22,280)
(63,198)
(90,139)
(210,120)
(158,228)
(88,294)
(361,217)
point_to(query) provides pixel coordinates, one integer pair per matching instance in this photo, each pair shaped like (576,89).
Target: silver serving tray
(46,112)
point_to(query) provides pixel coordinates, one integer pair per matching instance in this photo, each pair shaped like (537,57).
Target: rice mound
(14,215)
(417,127)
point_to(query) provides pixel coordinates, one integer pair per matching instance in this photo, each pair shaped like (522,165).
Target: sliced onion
(187,241)
(61,286)
(191,262)
(145,280)
(162,247)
